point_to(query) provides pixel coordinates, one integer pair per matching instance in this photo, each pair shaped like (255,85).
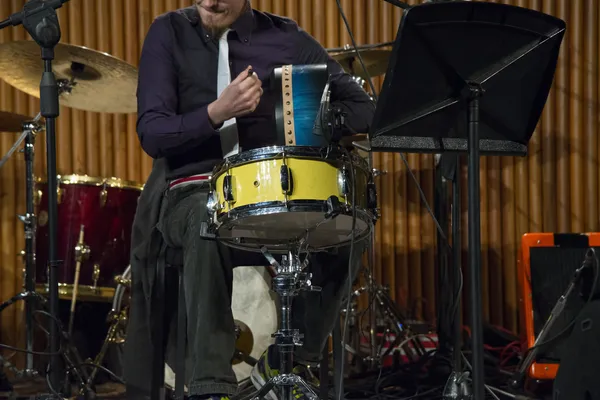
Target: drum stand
(30,130)
(287,283)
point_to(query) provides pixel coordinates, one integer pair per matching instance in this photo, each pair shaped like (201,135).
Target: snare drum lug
(103,197)
(334,207)
(228,191)
(287,180)
(96,276)
(82,252)
(37,197)
(344,182)
(59,195)
(212,203)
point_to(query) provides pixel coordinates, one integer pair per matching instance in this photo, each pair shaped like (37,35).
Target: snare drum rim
(227,220)
(76,179)
(333,156)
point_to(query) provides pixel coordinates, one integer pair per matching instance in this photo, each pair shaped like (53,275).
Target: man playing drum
(183,110)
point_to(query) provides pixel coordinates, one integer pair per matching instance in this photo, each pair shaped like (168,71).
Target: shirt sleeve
(346,93)
(161,130)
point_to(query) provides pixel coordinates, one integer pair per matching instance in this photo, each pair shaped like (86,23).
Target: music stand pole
(476,91)
(456,269)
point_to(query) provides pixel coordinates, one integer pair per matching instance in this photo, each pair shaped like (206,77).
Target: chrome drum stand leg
(288,282)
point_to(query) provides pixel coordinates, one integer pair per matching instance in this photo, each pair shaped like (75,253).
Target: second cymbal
(376,61)
(95,81)
(11,122)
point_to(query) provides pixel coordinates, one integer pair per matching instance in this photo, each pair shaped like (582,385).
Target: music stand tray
(467,77)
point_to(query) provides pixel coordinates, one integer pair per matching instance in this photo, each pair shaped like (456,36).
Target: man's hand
(239,98)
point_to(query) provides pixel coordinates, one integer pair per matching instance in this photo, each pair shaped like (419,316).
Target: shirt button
(245,40)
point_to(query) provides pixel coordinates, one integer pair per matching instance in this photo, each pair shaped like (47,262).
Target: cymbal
(93,81)
(346,141)
(376,61)
(11,122)
(360,48)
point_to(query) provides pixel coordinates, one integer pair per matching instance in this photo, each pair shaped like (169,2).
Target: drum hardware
(119,280)
(118,322)
(376,61)
(11,122)
(103,195)
(30,130)
(347,47)
(95,276)
(41,22)
(288,282)
(81,253)
(384,315)
(278,213)
(29,295)
(253,325)
(87,80)
(68,352)
(106,208)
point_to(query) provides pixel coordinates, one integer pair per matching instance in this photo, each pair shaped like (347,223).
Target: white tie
(228,132)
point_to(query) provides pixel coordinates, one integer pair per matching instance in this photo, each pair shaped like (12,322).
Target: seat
(172,259)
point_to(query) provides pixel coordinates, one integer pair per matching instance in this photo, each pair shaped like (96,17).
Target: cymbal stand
(289,281)
(381,306)
(30,129)
(29,295)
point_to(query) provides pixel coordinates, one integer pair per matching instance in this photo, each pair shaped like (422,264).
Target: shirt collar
(243,26)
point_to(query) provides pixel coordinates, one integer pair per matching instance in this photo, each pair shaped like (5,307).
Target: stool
(173,259)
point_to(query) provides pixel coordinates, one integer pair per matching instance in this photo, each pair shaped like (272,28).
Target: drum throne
(288,281)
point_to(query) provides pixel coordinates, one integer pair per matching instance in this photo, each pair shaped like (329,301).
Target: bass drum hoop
(88,180)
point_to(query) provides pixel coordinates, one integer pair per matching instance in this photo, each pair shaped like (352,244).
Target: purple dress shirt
(178,79)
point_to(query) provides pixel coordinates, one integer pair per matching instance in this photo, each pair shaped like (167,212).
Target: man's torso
(272,43)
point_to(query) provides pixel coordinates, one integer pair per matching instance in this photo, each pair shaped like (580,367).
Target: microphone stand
(40,20)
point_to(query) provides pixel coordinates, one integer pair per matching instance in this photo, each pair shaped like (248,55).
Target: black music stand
(467,77)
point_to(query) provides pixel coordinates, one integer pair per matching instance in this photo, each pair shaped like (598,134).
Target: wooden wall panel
(555,188)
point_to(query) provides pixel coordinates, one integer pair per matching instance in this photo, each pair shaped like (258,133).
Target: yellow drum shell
(259,182)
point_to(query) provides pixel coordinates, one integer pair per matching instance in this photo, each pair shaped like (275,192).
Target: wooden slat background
(555,188)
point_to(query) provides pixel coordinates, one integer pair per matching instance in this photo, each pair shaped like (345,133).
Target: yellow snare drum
(275,196)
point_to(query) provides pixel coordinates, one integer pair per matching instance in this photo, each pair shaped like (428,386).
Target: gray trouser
(208,275)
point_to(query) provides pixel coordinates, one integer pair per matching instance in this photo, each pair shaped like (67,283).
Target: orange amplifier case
(540,371)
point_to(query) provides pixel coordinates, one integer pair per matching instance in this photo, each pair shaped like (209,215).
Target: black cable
(350,265)
(100,367)
(448,247)
(37,353)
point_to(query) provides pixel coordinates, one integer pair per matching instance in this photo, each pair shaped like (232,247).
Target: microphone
(31,9)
